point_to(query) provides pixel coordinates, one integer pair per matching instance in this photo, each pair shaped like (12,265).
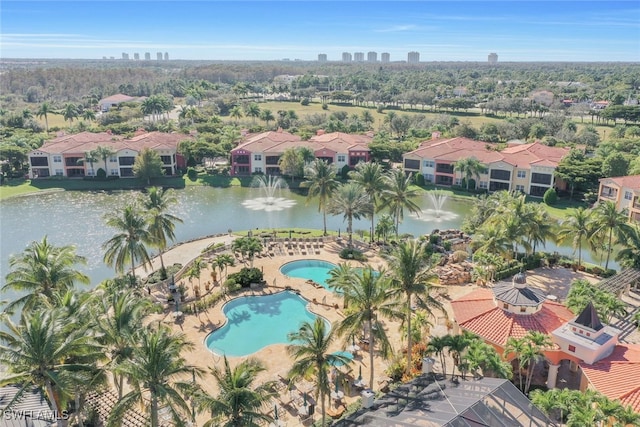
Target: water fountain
(436,213)
(270,187)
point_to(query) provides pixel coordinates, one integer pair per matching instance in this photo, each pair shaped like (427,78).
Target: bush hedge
(246,276)
(352,253)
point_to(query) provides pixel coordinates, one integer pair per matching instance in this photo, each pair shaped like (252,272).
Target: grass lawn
(561,209)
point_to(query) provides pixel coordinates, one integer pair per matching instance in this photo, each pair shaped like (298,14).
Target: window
(57,159)
(523,309)
(588,334)
(444,168)
(520,188)
(541,178)
(428,164)
(39,161)
(257,157)
(501,175)
(428,177)
(484,185)
(113,159)
(505,306)
(408,163)
(59,172)
(241,160)
(458,181)
(258,170)
(342,158)
(522,174)
(572,348)
(628,195)
(114,172)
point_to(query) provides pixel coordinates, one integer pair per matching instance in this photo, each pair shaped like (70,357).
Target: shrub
(101,173)
(419,179)
(459,256)
(345,172)
(380,109)
(246,276)
(192,174)
(156,276)
(550,197)
(352,253)
(325,107)
(304,101)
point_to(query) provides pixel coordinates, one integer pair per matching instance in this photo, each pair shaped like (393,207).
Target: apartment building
(624,191)
(260,153)
(525,167)
(66,154)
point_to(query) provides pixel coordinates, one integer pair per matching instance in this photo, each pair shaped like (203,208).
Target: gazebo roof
(524,296)
(589,318)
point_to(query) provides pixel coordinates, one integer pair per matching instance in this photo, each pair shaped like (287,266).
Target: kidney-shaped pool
(254,322)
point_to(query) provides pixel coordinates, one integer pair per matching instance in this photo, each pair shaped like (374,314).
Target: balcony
(444,168)
(609,193)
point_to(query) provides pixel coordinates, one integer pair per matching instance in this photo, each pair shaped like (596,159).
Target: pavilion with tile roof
(512,310)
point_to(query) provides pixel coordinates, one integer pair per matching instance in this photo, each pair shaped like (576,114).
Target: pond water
(77,218)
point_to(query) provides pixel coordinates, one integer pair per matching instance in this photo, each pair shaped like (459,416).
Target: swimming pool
(254,322)
(312,269)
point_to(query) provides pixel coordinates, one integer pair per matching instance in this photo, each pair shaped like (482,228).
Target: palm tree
(490,239)
(515,347)
(103,152)
(322,183)
(43,111)
(536,343)
(267,116)
(365,295)
(236,113)
(609,222)
(156,370)
(38,350)
(351,201)
(470,167)
(117,317)
(539,228)
(42,270)
(70,112)
(128,245)
(161,223)
(397,195)
(89,157)
(312,360)
(89,115)
(436,346)
(577,227)
(482,356)
(247,245)
(629,255)
(384,227)
(252,110)
(411,278)
(222,261)
(371,177)
(457,344)
(238,403)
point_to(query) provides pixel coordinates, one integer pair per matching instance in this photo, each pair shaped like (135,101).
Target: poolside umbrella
(360,373)
(275,412)
(304,397)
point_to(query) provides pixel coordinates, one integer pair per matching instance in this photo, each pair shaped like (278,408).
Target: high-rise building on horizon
(147,56)
(322,57)
(159,56)
(358,56)
(385,57)
(166,56)
(372,56)
(125,56)
(413,57)
(346,57)
(493,58)
(136,56)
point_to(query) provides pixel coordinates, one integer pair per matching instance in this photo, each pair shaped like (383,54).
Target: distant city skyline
(263,30)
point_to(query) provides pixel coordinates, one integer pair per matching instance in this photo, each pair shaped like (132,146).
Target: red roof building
(624,191)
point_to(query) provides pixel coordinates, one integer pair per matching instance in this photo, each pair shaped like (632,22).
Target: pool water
(311,269)
(255,322)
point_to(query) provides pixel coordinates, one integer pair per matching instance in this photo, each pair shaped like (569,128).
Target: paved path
(182,253)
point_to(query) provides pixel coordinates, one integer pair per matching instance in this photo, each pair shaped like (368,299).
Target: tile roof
(82,142)
(478,313)
(119,97)
(521,155)
(631,181)
(519,296)
(611,376)
(278,142)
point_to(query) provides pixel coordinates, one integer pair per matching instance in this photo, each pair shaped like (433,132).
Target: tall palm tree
(371,177)
(103,152)
(238,403)
(609,222)
(536,343)
(490,239)
(470,167)
(516,347)
(42,270)
(44,111)
(629,255)
(437,346)
(222,261)
(129,243)
(397,195)
(312,360)
(70,112)
(577,228)
(38,350)
(89,114)
(236,113)
(540,228)
(247,245)
(365,294)
(117,317)
(252,110)
(161,223)
(267,116)
(156,371)
(456,345)
(411,278)
(481,356)
(350,200)
(322,183)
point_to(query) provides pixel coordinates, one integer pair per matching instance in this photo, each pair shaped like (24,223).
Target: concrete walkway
(182,253)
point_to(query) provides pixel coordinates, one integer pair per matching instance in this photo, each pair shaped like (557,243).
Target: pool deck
(554,281)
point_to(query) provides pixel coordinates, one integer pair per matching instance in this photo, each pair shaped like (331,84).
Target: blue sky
(269,30)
